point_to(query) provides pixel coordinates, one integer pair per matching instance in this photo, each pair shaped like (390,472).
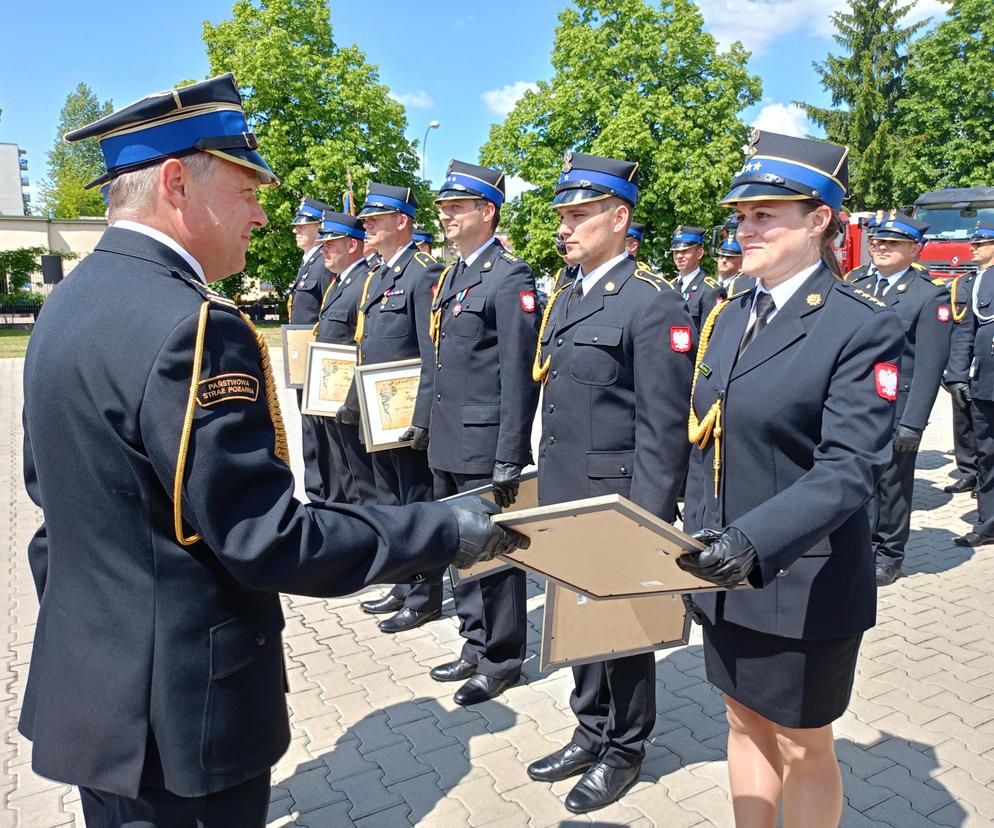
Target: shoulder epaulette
(939,282)
(711,283)
(508,257)
(919,266)
(221,299)
(645,275)
(868,297)
(850,273)
(424,259)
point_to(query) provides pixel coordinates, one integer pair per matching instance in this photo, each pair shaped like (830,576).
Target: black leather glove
(692,609)
(418,436)
(348,416)
(479,538)
(726,562)
(960,392)
(907,438)
(507,478)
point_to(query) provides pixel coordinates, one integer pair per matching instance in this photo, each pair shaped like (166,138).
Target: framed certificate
(295,339)
(527,499)
(576,630)
(388,392)
(328,376)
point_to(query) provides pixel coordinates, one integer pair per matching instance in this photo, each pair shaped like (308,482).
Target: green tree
(637,81)
(320,113)
(866,85)
(72,166)
(946,118)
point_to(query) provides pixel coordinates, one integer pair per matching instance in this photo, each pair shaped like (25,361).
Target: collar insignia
(814,299)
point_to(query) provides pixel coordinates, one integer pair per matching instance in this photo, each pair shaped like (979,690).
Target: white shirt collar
(398,254)
(345,273)
(781,293)
(310,252)
(162,238)
(891,280)
(591,279)
(472,257)
(686,280)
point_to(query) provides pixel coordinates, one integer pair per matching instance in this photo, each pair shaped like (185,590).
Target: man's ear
(173,182)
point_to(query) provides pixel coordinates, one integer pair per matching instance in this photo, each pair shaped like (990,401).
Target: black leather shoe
(973,539)
(600,786)
(407,619)
(564,763)
(964,484)
(888,572)
(481,688)
(379,606)
(458,670)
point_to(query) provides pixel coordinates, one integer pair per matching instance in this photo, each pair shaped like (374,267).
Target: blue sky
(429,55)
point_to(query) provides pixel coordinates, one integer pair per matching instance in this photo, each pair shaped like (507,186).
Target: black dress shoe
(888,572)
(964,484)
(481,688)
(407,619)
(973,539)
(564,763)
(379,606)
(600,786)
(458,670)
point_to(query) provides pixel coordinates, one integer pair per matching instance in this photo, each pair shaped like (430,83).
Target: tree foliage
(636,81)
(946,118)
(320,113)
(72,166)
(866,85)
(17,266)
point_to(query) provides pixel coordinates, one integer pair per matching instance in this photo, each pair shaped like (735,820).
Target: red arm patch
(944,313)
(680,339)
(528,303)
(886,375)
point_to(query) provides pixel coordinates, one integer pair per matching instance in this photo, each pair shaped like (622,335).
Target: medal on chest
(457,307)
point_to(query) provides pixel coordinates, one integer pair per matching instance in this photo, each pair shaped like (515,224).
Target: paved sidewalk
(377,743)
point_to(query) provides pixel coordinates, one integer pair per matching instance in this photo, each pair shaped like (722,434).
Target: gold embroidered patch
(814,299)
(227,387)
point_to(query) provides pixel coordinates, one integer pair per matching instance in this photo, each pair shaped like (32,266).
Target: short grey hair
(131,192)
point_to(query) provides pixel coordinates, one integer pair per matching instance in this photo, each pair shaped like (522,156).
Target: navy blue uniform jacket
(484,396)
(702,294)
(145,647)
(807,423)
(337,320)
(614,408)
(971,357)
(308,289)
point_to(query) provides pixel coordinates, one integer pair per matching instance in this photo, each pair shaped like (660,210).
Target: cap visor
(453,195)
(892,234)
(761,192)
(579,196)
(366,212)
(250,159)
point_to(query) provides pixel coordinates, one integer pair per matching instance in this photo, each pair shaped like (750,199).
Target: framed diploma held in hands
(295,339)
(327,377)
(577,630)
(527,499)
(604,547)
(388,392)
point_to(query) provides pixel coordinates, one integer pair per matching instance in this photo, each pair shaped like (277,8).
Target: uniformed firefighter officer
(393,322)
(346,467)
(484,323)
(424,240)
(634,239)
(926,314)
(970,378)
(699,291)
(614,353)
(964,440)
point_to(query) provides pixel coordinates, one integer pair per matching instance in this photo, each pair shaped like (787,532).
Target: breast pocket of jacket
(597,356)
(245,713)
(395,321)
(610,472)
(468,322)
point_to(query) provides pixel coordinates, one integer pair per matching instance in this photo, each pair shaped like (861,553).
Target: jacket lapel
(594,301)
(387,278)
(733,324)
(897,291)
(472,274)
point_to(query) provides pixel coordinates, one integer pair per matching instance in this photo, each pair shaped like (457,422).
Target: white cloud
(787,119)
(515,186)
(501,101)
(417,100)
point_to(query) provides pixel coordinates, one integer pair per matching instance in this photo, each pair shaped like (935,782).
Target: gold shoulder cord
(957,317)
(361,323)
(540,369)
(324,299)
(700,431)
(289,307)
(435,316)
(280,447)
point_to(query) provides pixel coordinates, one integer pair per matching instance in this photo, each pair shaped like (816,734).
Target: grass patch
(271,333)
(13,341)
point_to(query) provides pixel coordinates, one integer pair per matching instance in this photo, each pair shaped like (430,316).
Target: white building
(14,197)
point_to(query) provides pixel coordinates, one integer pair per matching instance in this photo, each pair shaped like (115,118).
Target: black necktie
(575,296)
(764,307)
(881,287)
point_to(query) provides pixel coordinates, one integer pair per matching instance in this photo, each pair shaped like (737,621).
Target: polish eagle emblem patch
(680,340)
(885,374)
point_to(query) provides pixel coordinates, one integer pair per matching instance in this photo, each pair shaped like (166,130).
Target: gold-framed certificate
(295,339)
(328,377)
(388,392)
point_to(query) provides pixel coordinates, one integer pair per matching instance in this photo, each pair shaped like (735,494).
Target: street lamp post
(424,147)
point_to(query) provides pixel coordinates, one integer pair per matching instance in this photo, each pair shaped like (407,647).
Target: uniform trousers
(964,442)
(889,510)
(349,465)
(615,704)
(982,412)
(318,478)
(245,805)
(492,609)
(402,476)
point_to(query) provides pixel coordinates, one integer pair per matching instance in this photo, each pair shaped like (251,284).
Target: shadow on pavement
(932,550)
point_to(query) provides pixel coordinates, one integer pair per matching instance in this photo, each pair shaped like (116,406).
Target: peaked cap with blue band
(686,236)
(310,211)
(636,230)
(592,178)
(900,227)
(385,198)
(874,222)
(983,232)
(730,247)
(464,180)
(202,117)
(340,225)
(781,167)
(423,236)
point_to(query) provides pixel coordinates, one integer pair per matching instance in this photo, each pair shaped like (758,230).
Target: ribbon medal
(457,307)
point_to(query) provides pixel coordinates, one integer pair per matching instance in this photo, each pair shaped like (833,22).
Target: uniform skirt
(793,682)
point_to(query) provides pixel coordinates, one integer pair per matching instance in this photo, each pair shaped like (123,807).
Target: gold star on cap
(814,299)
